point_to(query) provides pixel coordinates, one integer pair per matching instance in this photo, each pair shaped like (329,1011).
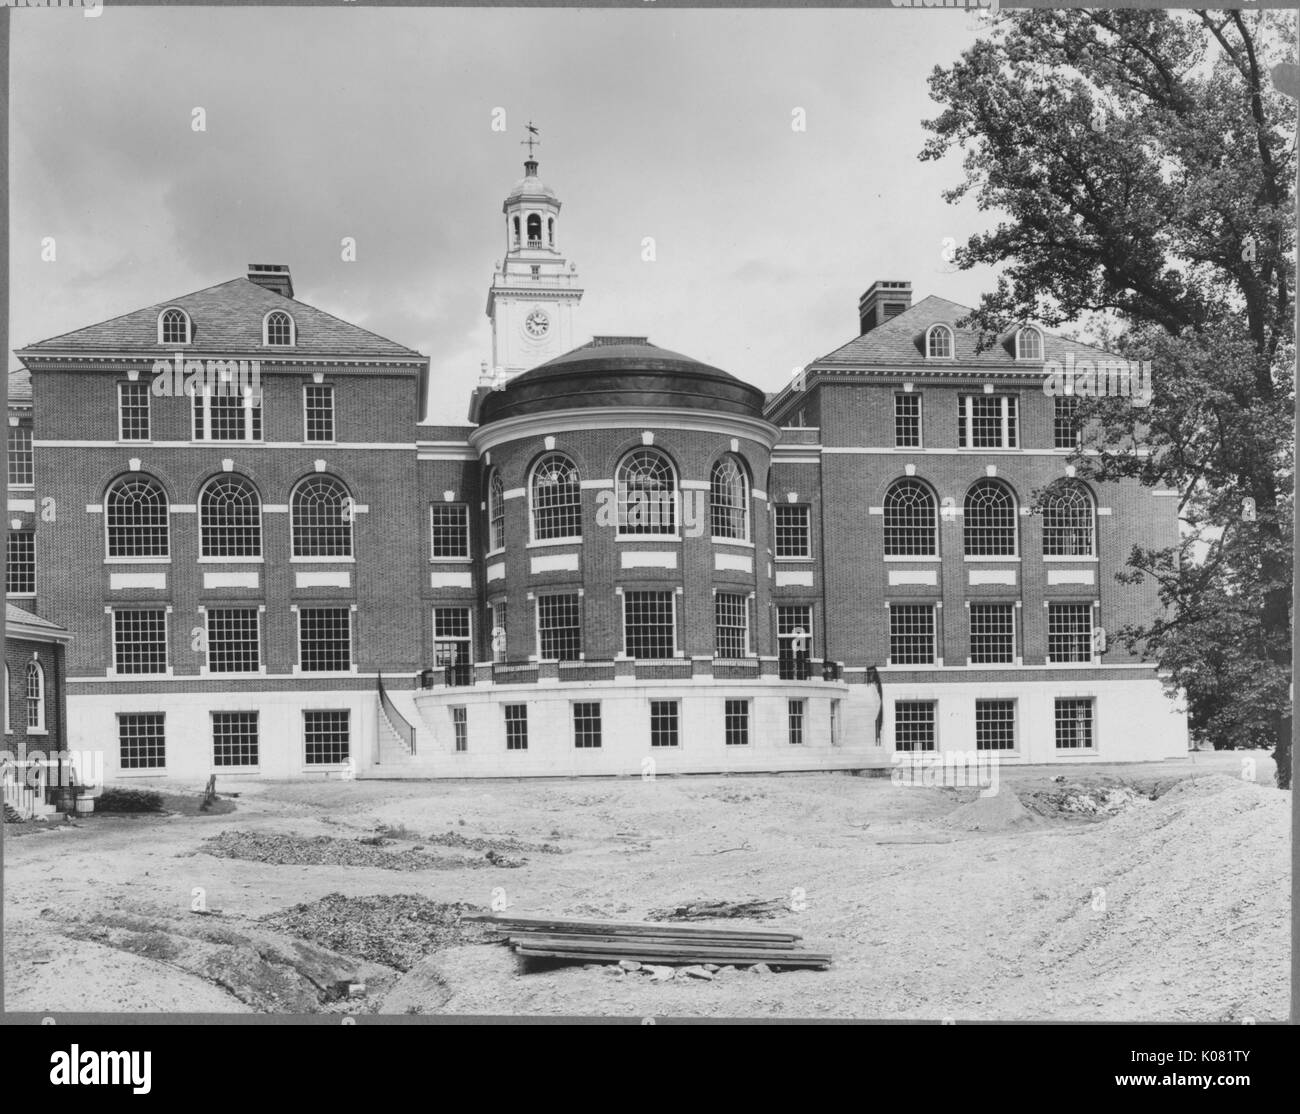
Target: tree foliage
(1145,167)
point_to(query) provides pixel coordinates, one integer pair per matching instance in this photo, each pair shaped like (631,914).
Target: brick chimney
(882,301)
(273,277)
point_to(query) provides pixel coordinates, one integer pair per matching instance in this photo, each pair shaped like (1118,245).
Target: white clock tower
(534,294)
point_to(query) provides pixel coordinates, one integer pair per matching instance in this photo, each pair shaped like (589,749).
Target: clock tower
(534,293)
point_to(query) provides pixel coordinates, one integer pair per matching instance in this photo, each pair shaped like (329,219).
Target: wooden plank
(659,928)
(636,941)
(796,959)
(636,950)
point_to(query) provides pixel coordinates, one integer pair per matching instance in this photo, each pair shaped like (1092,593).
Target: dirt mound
(396,930)
(996,813)
(264,971)
(290,850)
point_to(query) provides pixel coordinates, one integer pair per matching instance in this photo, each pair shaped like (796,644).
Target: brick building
(624,560)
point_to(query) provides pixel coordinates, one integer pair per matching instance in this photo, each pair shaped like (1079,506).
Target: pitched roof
(20,386)
(19,622)
(900,341)
(227,322)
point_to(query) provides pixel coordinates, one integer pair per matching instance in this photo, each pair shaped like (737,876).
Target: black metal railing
(793,668)
(402,727)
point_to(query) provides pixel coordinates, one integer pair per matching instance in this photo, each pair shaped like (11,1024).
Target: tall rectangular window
(559,628)
(987,422)
(328,736)
(226,412)
(460,727)
(140,641)
(663,723)
(1074,723)
(793,534)
(1069,632)
(516,726)
(133,411)
(736,723)
(452,647)
(141,741)
(449,527)
(20,563)
(914,725)
(21,472)
(318,412)
(1065,422)
(234,739)
(992,633)
(794,636)
(497,616)
(911,634)
(649,625)
(731,618)
(907,421)
(794,719)
(325,639)
(995,725)
(586,724)
(233,642)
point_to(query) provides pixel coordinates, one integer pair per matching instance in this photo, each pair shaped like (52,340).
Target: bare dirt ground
(1082,899)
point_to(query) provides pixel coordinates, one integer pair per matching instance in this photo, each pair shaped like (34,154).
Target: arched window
(729,499)
(556,497)
(496,513)
(173,327)
(989,520)
(135,511)
(550,231)
(646,489)
(938,343)
(516,223)
(230,518)
(1029,344)
(35,696)
(534,230)
(321,509)
(911,520)
(278,329)
(1068,521)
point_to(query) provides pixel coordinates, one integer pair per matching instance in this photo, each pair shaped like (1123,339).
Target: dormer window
(173,327)
(278,329)
(938,343)
(1029,344)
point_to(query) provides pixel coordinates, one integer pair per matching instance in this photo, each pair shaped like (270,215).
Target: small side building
(36,710)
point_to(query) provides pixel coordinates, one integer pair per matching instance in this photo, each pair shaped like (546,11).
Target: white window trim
(121,413)
(306,440)
(113,613)
(189,326)
(952,341)
(207,671)
(318,766)
(468,641)
(537,626)
(293,330)
(469,552)
(207,438)
(677,652)
(352,645)
(1029,359)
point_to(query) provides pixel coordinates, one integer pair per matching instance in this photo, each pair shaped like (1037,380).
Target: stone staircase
(395,757)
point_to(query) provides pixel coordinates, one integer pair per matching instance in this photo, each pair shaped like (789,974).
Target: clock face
(537,324)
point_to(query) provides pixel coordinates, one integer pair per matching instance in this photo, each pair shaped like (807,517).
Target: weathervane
(532,141)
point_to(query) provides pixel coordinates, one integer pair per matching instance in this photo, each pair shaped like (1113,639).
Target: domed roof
(622,372)
(531,187)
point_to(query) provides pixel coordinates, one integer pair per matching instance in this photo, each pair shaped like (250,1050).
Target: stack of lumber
(659,943)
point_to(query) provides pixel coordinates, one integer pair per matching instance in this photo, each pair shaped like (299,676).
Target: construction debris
(717,910)
(633,945)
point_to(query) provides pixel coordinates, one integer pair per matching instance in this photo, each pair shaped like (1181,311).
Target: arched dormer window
(230,518)
(1029,344)
(989,520)
(136,518)
(646,490)
(556,496)
(322,514)
(938,343)
(278,329)
(1069,521)
(174,327)
(496,507)
(35,696)
(729,499)
(911,520)
(534,230)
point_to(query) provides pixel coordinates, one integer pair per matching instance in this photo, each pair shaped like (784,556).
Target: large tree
(1144,169)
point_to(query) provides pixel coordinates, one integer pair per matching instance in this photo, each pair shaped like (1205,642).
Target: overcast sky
(376,124)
